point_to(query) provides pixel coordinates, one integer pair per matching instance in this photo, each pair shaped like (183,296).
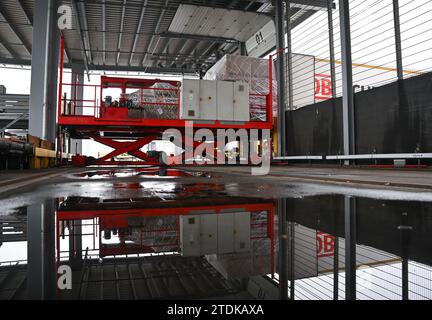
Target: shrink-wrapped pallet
(155,104)
(254,71)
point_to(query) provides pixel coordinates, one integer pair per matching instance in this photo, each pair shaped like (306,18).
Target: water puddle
(141,172)
(168,240)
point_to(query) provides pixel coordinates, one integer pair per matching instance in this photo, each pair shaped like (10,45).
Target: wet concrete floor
(154,233)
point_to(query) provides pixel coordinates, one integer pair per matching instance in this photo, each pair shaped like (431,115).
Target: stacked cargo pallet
(44,155)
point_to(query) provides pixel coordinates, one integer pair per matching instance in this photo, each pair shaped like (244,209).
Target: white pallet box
(225,99)
(190,100)
(241,101)
(208,100)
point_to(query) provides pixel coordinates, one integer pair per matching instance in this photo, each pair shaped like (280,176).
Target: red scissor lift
(114,127)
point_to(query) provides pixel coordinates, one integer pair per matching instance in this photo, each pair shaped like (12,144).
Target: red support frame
(126,147)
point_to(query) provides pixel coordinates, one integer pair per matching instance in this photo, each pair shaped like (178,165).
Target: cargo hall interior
(221,149)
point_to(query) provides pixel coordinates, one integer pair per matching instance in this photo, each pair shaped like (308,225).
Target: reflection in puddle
(193,240)
(142,172)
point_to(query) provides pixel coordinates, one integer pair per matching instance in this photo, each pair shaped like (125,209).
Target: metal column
(283,250)
(347,80)
(289,57)
(291,259)
(350,247)
(41,271)
(331,47)
(336,269)
(279,26)
(77,77)
(45,58)
(398,39)
(405,229)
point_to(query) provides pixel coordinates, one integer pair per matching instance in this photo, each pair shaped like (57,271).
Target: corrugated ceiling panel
(236,24)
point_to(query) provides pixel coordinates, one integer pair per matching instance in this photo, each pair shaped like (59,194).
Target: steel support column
(75,242)
(331,47)
(336,269)
(350,247)
(347,80)
(405,244)
(77,94)
(289,57)
(45,58)
(398,40)
(283,250)
(291,259)
(41,272)
(280,45)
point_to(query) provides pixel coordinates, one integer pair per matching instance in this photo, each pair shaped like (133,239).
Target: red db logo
(323,87)
(325,245)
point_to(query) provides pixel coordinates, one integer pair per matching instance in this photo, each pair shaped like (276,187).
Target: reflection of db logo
(325,243)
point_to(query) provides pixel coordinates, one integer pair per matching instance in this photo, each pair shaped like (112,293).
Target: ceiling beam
(15,61)
(85,28)
(179,52)
(154,70)
(26,12)
(81,36)
(19,35)
(249,5)
(233,4)
(161,15)
(121,31)
(8,48)
(137,33)
(175,35)
(168,6)
(183,59)
(310,4)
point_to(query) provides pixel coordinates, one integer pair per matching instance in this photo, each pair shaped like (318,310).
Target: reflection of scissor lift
(144,110)
(141,226)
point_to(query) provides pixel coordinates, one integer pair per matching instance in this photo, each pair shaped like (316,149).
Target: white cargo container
(207,103)
(189,97)
(241,101)
(215,100)
(225,98)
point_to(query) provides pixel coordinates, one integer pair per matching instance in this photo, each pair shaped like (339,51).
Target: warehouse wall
(394,118)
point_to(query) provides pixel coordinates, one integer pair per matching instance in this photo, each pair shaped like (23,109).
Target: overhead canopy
(217,22)
(145,35)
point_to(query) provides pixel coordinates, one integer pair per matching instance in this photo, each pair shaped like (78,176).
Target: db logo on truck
(323,87)
(325,245)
